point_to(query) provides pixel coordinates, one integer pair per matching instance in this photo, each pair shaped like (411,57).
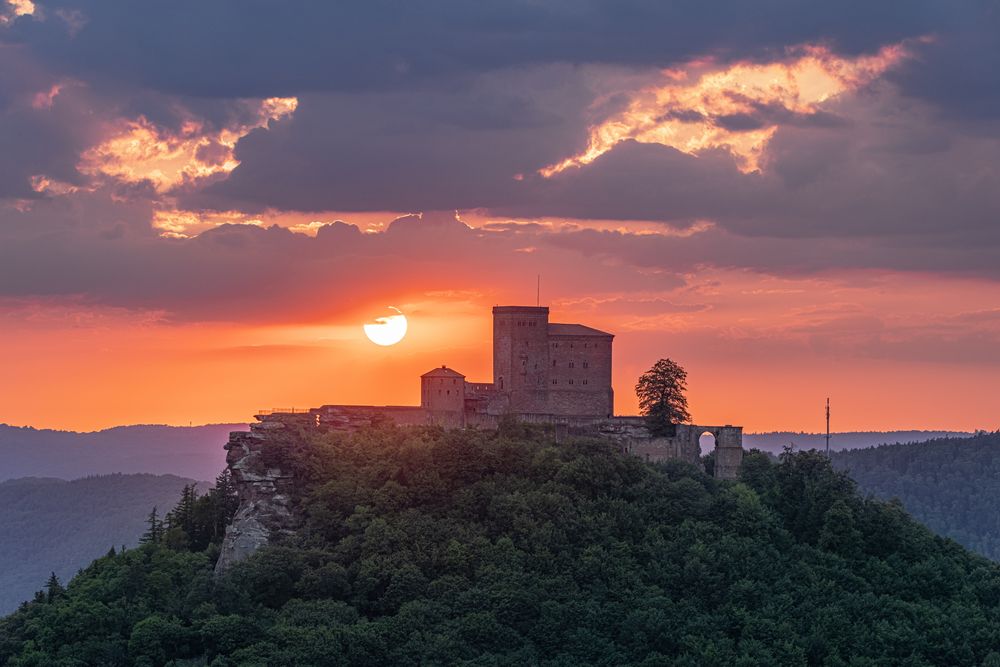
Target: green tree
(154,529)
(661,396)
(53,588)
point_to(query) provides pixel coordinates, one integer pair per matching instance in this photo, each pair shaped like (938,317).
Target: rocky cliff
(264,493)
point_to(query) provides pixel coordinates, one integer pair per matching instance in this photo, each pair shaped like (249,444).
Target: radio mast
(828,428)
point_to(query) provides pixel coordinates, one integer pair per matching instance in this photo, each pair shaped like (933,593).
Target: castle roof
(575,330)
(443,372)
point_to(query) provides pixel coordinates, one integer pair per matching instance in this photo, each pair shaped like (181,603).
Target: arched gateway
(684,444)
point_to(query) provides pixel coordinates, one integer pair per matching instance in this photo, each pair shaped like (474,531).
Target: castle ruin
(543,372)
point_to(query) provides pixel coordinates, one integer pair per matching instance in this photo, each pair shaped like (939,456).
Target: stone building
(543,372)
(540,369)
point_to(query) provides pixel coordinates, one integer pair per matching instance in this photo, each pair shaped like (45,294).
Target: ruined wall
(354,417)
(632,434)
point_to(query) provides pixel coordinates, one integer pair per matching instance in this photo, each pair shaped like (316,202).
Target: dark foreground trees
(420,546)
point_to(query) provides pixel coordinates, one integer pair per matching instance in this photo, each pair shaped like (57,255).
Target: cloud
(720,107)
(293,48)
(137,150)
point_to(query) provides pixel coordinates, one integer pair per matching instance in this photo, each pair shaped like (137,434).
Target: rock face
(265,495)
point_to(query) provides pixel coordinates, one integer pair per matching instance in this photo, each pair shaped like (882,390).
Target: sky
(202,203)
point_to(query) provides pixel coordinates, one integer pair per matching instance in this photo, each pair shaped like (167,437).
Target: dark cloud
(393,151)
(457,105)
(259,49)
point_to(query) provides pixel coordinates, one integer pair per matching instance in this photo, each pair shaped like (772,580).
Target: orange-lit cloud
(179,223)
(45,98)
(45,185)
(138,150)
(700,107)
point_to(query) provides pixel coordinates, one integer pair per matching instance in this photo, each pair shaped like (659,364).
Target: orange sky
(761,352)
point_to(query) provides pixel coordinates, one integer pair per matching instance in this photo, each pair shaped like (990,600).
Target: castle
(543,372)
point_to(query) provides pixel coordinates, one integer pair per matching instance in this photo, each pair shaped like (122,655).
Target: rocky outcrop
(265,497)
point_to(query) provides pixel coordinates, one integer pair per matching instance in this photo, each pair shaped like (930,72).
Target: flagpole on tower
(538,290)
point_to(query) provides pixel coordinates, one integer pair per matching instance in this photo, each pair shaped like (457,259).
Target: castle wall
(580,375)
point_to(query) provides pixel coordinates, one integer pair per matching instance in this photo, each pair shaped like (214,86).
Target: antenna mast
(828,428)
(538,290)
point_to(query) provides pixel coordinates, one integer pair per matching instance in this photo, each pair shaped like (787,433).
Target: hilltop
(412,546)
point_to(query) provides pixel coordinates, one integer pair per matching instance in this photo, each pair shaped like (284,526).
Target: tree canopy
(420,546)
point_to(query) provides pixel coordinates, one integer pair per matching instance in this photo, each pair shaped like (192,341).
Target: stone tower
(521,357)
(442,395)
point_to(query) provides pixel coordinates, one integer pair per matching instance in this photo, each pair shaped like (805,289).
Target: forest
(419,546)
(951,485)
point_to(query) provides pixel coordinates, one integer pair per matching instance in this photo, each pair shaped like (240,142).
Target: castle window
(554,381)
(553,363)
(448,392)
(571,381)
(585,382)
(571,364)
(586,364)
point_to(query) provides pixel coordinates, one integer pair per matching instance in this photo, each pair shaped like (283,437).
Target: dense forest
(952,485)
(420,546)
(53,525)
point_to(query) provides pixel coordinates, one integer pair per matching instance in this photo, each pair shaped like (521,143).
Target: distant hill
(776,441)
(187,451)
(951,485)
(51,525)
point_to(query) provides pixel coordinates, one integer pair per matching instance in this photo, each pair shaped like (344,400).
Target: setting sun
(387,329)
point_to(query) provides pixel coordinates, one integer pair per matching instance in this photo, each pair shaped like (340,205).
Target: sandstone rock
(265,495)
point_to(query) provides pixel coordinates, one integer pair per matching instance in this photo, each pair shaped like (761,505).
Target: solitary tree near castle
(661,396)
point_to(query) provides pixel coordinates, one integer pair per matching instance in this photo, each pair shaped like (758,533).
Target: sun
(387,329)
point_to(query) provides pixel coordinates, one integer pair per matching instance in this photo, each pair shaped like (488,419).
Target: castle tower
(442,396)
(521,357)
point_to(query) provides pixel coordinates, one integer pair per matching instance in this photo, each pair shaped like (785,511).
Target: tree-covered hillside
(952,485)
(51,525)
(427,547)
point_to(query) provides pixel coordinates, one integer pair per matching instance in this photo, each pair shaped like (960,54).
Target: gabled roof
(443,372)
(575,330)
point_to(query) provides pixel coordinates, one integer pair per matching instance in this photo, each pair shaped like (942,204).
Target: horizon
(779,431)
